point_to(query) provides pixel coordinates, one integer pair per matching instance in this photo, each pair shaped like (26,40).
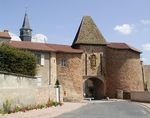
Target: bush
(17,61)
(7,106)
(17,108)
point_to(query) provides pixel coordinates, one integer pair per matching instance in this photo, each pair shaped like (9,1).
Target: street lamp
(57,89)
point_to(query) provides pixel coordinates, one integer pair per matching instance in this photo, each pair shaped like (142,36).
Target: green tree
(18,61)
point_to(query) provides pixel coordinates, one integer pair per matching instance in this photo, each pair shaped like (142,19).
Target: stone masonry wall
(43,71)
(53,69)
(48,71)
(100,70)
(25,90)
(146,69)
(124,71)
(97,50)
(4,40)
(70,76)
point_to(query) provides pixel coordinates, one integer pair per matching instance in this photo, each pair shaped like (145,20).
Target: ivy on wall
(17,61)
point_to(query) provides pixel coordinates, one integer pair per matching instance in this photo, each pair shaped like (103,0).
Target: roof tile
(88,33)
(5,35)
(43,47)
(122,46)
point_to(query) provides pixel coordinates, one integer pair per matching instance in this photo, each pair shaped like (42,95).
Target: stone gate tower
(106,67)
(93,44)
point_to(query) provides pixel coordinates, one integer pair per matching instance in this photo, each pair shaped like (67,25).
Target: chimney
(5,30)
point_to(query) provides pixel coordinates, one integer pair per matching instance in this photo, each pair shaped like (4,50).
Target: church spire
(26,22)
(25,30)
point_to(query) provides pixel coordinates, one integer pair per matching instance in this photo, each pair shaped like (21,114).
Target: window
(40,58)
(63,62)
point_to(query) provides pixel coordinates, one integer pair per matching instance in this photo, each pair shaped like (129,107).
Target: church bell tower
(25,30)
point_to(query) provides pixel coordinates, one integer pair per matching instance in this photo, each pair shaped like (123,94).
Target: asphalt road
(121,109)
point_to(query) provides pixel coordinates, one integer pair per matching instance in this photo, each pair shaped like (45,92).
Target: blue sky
(119,20)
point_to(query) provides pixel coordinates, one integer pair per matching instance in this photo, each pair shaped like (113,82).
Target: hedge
(17,61)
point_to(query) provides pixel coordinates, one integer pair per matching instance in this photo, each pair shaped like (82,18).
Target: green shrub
(54,103)
(7,106)
(1,111)
(30,107)
(49,103)
(17,61)
(40,106)
(17,108)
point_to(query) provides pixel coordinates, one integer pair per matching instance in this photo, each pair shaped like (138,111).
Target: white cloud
(39,38)
(144,59)
(125,29)
(145,22)
(14,37)
(146,47)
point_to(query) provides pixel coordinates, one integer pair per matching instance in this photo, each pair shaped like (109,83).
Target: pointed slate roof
(26,24)
(88,33)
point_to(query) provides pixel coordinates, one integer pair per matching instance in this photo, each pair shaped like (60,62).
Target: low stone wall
(25,90)
(143,96)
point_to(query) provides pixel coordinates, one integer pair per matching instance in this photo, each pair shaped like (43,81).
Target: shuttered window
(40,58)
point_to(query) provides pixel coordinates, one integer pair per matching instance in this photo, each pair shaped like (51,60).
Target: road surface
(121,109)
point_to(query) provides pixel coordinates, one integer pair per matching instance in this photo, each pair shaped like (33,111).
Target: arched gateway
(93,87)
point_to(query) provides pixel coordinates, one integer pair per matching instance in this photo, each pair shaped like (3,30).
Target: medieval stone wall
(48,71)
(53,69)
(146,69)
(4,40)
(70,75)
(99,52)
(24,90)
(99,70)
(124,71)
(43,71)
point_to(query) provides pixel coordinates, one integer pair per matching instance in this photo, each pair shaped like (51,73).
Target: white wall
(25,90)
(53,68)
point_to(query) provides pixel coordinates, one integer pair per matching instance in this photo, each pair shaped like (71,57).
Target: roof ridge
(43,43)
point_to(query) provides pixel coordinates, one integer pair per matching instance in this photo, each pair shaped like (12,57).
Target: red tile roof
(122,46)
(64,48)
(45,47)
(5,35)
(30,46)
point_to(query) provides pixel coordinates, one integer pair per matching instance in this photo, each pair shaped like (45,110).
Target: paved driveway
(121,109)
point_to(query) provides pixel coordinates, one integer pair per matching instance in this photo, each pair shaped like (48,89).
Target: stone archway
(94,87)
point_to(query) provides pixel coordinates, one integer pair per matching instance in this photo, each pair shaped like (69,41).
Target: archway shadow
(94,88)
